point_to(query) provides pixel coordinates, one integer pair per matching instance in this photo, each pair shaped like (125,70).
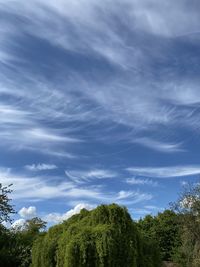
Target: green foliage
(34,226)
(16,244)
(9,250)
(103,237)
(36,249)
(25,237)
(164,229)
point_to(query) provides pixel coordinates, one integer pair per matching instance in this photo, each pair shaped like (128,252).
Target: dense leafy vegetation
(104,237)
(164,229)
(16,244)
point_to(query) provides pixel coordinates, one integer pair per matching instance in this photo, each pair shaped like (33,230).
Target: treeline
(105,237)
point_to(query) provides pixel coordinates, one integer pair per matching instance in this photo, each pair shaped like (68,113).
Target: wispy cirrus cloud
(165,172)
(132,197)
(99,37)
(82,176)
(139,181)
(131,97)
(124,194)
(37,189)
(158,146)
(41,167)
(33,187)
(76,85)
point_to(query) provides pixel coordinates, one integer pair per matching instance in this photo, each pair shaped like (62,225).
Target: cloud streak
(41,167)
(86,176)
(38,189)
(165,172)
(139,181)
(158,146)
(133,99)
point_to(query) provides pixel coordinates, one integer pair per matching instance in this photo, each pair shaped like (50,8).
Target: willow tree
(103,237)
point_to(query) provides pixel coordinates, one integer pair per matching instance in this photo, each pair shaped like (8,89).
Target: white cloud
(58,217)
(165,172)
(190,96)
(124,194)
(44,135)
(27,187)
(132,197)
(85,176)
(20,124)
(134,100)
(160,18)
(38,188)
(158,145)
(28,213)
(139,181)
(40,167)
(53,116)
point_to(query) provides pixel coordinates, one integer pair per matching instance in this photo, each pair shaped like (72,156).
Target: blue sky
(99,103)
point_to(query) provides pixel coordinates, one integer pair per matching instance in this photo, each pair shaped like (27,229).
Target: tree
(5,207)
(35,225)
(164,230)
(16,244)
(24,238)
(8,250)
(188,208)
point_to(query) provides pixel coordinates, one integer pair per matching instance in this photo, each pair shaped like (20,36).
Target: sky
(99,103)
